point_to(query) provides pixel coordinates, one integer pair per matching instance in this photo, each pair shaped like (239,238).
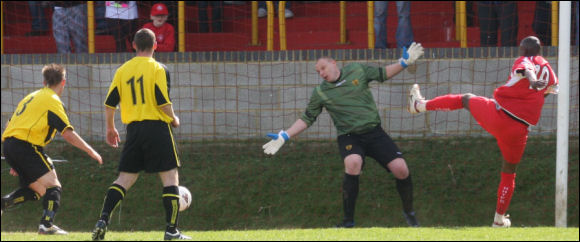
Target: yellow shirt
(37,118)
(140,87)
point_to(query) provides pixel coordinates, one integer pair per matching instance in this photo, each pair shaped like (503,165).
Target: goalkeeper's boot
(100,230)
(51,230)
(345,224)
(414,99)
(176,235)
(411,219)
(501,221)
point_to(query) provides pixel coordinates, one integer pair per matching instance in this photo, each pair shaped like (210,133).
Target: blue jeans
(404,34)
(39,23)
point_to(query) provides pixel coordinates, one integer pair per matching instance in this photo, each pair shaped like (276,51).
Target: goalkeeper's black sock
(51,203)
(19,196)
(171,204)
(114,197)
(405,189)
(349,195)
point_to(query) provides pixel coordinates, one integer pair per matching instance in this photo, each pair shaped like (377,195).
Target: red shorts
(511,135)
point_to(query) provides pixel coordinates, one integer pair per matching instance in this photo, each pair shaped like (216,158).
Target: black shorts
(27,159)
(375,143)
(149,147)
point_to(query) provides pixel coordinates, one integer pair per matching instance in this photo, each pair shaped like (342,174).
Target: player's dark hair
(144,39)
(530,46)
(53,74)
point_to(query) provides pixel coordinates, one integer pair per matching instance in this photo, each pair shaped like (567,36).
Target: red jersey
(165,36)
(518,98)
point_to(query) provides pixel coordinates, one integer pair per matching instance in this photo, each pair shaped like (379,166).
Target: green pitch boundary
(384,234)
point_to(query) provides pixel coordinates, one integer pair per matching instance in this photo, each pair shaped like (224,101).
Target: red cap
(159,9)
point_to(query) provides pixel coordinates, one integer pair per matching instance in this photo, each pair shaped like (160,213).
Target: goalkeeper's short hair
(327,58)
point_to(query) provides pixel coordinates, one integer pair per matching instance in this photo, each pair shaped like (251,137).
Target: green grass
(364,234)
(236,187)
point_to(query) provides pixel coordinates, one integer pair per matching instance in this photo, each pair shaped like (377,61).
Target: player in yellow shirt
(32,126)
(141,89)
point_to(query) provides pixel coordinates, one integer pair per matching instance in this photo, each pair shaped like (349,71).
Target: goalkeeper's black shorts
(149,146)
(375,143)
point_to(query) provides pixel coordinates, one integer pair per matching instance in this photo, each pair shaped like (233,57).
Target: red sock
(505,192)
(445,103)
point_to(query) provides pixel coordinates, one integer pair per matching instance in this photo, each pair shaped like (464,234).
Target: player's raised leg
(18,196)
(449,102)
(416,100)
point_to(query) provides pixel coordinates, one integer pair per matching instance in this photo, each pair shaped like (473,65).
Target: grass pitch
(359,234)
(455,186)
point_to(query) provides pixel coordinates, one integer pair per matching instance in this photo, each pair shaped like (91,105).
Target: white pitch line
(53,160)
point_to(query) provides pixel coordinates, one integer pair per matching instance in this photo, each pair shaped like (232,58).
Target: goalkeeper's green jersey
(348,100)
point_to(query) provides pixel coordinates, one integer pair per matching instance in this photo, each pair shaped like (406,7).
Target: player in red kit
(516,106)
(164,32)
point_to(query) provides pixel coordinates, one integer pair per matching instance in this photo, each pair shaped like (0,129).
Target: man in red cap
(164,32)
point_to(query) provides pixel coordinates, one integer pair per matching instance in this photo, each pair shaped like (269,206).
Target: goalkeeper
(346,96)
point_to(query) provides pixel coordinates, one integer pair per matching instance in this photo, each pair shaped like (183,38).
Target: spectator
(39,22)
(216,16)
(497,13)
(121,16)
(164,32)
(404,34)
(171,9)
(469,13)
(542,22)
(100,21)
(262,12)
(69,20)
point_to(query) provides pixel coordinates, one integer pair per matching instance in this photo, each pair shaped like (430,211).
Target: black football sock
(51,203)
(19,196)
(113,199)
(349,195)
(171,204)
(405,189)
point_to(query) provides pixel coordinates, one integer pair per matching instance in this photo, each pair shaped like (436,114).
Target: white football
(184,198)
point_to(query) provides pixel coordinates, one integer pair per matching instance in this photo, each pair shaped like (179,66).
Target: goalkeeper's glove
(277,141)
(411,55)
